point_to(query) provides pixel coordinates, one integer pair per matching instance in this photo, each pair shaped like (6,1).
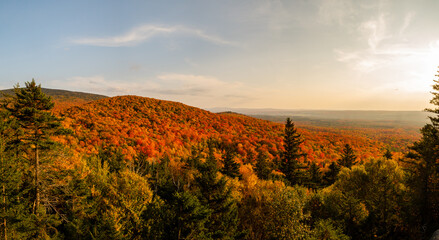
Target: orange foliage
(158,128)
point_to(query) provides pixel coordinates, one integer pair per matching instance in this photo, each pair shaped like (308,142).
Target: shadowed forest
(84,166)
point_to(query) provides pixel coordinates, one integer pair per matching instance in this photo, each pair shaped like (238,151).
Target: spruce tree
(230,166)
(348,157)
(10,181)
(262,166)
(31,108)
(424,170)
(290,165)
(314,176)
(331,175)
(215,194)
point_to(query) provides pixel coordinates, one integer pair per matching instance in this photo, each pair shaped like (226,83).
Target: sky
(295,54)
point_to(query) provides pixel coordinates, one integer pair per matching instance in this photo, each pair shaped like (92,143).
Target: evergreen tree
(215,194)
(262,166)
(348,157)
(177,212)
(31,108)
(230,166)
(388,154)
(290,165)
(331,175)
(315,176)
(424,171)
(10,182)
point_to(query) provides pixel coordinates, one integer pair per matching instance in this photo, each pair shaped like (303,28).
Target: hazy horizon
(325,55)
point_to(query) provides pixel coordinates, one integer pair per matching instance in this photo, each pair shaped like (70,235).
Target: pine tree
(10,181)
(424,170)
(230,166)
(215,194)
(348,157)
(31,108)
(290,165)
(315,176)
(262,166)
(331,175)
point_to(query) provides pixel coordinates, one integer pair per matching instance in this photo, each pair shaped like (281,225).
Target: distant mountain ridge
(415,118)
(65,99)
(64,94)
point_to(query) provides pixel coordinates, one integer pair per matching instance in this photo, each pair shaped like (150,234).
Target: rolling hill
(160,128)
(65,99)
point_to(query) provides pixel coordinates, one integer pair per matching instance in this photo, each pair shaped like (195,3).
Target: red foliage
(158,128)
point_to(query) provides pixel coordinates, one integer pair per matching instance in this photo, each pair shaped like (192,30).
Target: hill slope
(64,99)
(158,128)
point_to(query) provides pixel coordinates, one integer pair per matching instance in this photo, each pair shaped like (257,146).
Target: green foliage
(33,125)
(331,175)
(230,166)
(216,195)
(263,169)
(327,230)
(290,165)
(109,204)
(128,192)
(348,157)
(285,219)
(379,185)
(275,211)
(314,176)
(176,213)
(11,183)
(423,168)
(114,157)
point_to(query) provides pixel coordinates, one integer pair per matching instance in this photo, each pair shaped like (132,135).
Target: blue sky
(314,54)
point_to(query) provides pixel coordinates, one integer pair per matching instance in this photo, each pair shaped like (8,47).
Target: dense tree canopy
(140,168)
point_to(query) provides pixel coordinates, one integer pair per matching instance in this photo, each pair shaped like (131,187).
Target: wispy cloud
(386,47)
(185,84)
(407,20)
(336,11)
(99,84)
(375,31)
(170,85)
(144,33)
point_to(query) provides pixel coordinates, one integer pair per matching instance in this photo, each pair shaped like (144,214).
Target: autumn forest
(85,166)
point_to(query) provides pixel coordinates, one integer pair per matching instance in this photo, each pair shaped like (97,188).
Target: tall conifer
(290,165)
(31,108)
(348,157)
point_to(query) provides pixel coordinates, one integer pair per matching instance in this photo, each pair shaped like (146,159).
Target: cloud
(375,31)
(336,11)
(184,84)
(144,33)
(387,48)
(180,87)
(407,20)
(98,84)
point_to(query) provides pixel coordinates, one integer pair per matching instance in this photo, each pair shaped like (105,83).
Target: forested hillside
(158,128)
(132,167)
